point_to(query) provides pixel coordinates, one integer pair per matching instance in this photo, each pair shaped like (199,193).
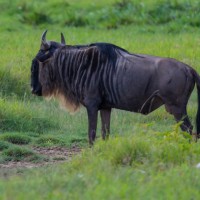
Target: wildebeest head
(47,49)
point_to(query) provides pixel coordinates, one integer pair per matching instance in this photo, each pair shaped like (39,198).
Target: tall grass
(146,157)
(112,14)
(19,111)
(161,167)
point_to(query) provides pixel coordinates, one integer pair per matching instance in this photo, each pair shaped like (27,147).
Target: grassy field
(146,157)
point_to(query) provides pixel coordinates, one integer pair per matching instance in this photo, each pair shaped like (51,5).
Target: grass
(122,168)
(15,138)
(17,116)
(146,157)
(20,112)
(49,141)
(97,15)
(4,145)
(16,153)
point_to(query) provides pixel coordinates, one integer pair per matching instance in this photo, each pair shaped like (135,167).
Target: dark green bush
(36,18)
(4,145)
(49,141)
(122,12)
(16,138)
(16,153)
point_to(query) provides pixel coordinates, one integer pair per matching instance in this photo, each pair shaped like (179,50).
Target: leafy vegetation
(4,145)
(49,141)
(121,168)
(97,15)
(16,153)
(146,157)
(15,138)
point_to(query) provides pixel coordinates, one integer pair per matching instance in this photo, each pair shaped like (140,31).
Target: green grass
(22,116)
(4,145)
(146,157)
(15,138)
(49,141)
(159,167)
(21,112)
(103,14)
(16,153)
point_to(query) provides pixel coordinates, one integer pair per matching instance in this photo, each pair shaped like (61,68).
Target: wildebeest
(102,76)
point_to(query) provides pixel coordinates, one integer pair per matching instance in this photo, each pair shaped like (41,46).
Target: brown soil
(53,155)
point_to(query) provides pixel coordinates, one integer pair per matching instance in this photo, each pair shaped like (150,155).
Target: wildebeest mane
(108,49)
(76,65)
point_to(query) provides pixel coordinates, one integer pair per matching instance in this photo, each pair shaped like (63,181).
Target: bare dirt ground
(53,155)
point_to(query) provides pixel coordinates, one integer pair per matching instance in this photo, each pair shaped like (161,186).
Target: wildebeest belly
(142,106)
(138,104)
(137,90)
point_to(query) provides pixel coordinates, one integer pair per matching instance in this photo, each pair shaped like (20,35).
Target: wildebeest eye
(42,51)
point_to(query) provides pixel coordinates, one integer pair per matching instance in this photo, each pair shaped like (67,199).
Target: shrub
(20,116)
(17,153)
(49,141)
(4,145)
(16,138)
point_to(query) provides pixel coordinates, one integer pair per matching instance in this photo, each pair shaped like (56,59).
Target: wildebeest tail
(197,80)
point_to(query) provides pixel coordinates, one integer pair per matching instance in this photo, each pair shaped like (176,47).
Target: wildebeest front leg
(92,123)
(105,122)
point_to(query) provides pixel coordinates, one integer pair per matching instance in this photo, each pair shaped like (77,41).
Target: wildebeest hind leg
(180,114)
(105,122)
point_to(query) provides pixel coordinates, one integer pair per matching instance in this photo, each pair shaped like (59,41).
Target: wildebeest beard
(53,87)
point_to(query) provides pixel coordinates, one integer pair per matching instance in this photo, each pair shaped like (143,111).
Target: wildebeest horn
(44,36)
(44,44)
(63,39)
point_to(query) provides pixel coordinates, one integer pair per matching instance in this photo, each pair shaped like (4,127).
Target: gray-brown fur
(103,76)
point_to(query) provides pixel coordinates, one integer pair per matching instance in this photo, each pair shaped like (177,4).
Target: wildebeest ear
(44,44)
(63,39)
